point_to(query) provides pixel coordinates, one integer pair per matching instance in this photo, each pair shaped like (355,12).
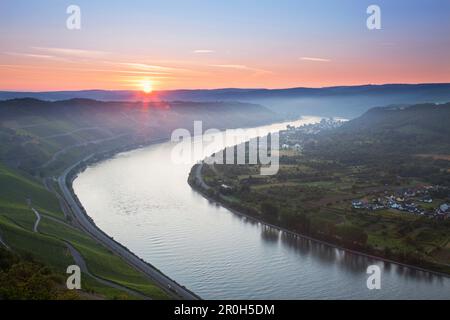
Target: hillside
(432,119)
(42,137)
(406,130)
(47,242)
(39,140)
(379,184)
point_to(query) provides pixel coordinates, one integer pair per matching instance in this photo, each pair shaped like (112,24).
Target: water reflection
(269,234)
(328,255)
(349,261)
(324,253)
(218,254)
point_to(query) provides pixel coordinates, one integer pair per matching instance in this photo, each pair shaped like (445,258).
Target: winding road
(79,261)
(167,284)
(38,219)
(199,177)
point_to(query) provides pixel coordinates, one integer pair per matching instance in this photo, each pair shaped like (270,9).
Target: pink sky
(221,44)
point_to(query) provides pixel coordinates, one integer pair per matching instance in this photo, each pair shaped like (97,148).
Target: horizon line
(237,88)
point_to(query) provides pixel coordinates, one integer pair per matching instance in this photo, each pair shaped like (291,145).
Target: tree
(351,234)
(23,278)
(27,280)
(269,210)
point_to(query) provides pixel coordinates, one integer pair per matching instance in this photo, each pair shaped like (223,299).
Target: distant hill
(420,119)
(344,101)
(40,136)
(235,93)
(384,131)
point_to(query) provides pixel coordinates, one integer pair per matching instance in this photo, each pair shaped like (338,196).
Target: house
(225,189)
(357,204)
(410,193)
(395,205)
(411,208)
(444,208)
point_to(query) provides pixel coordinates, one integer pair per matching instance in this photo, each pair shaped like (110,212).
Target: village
(410,200)
(294,137)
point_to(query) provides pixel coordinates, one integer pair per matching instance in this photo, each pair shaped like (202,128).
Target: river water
(142,199)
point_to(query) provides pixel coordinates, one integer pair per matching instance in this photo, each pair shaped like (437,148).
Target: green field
(367,159)
(48,245)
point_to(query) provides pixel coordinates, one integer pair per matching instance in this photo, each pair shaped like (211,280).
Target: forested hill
(421,128)
(42,136)
(421,118)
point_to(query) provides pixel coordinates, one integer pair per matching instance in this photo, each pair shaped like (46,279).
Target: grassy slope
(43,138)
(47,246)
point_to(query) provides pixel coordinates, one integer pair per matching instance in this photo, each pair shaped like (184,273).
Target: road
(81,144)
(199,177)
(79,261)
(167,284)
(38,219)
(74,131)
(3,243)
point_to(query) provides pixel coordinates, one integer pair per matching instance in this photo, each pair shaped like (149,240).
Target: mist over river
(143,200)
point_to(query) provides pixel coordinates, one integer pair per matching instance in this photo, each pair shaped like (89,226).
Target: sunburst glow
(147,85)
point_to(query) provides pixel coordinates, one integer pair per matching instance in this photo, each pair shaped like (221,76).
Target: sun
(147,86)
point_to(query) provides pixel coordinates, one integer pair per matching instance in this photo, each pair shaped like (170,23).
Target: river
(143,200)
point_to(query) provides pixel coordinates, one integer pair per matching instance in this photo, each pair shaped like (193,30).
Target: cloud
(203,51)
(30,55)
(231,66)
(146,67)
(153,68)
(73,52)
(239,67)
(315,59)
(85,69)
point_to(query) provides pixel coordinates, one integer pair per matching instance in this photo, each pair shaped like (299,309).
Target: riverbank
(142,199)
(81,217)
(79,214)
(196,185)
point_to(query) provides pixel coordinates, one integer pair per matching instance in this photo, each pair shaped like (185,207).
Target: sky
(193,44)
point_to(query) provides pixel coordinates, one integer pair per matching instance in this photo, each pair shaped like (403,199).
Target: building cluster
(294,137)
(414,201)
(314,128)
